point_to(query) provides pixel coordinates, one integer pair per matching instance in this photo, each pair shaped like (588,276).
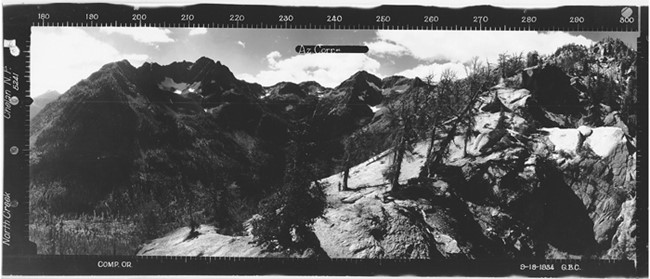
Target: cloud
(242,44)
(198,31)
(436,69)
(148,35)
(384,48)
(271,58)
(61,57)
(461,46)
(327,69)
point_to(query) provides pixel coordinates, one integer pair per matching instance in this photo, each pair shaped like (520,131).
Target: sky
(62,56)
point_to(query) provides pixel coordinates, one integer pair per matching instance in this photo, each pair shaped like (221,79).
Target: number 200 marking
(576,19)
(138,17)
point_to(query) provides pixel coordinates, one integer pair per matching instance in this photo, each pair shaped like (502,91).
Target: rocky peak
(204,61)
(313,87)
(610,47)
(286,88)
(360,77)
(121,68)
(390,81)
(417,82)
(364,86)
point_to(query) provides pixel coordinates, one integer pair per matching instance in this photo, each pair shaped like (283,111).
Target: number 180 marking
(92,16)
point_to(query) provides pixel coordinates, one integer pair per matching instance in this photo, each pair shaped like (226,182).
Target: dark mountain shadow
(556,214)
(566,223)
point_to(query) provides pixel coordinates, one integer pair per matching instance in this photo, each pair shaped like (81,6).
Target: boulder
(513,99)
(372,229)
(449,245)
(552,89)
(490,132)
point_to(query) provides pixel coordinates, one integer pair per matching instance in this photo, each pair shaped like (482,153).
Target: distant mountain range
(105,134)
(41,100)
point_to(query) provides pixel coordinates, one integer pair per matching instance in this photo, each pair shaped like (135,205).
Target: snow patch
(566,140)
(369,173)
(168,84)
(375,108)
(195,88)
(603,140)
(267,94)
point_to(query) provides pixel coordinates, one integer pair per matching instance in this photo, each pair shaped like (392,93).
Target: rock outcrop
(204,242)
(519,192)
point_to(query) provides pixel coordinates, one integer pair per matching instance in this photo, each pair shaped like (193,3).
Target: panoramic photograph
(430,145)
